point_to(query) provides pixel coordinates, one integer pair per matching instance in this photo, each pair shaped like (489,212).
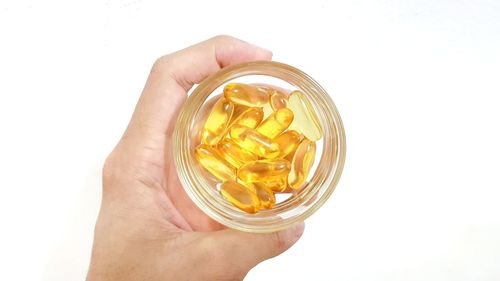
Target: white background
(416,82)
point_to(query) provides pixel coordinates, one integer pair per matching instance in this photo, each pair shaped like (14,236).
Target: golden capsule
(264,170)
(277,100)
(287,142)
(267,109)
(217,122)
(201,118)
(305,120)
(287,189)
(240,196)
(279,185)
(213,162)
(234,154)
(254,142)
(251,117)
(238,109)
(248,185)
(266,196)
(276,123)
(302,161)
(248,95)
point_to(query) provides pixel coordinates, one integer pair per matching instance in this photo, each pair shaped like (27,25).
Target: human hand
(148,229)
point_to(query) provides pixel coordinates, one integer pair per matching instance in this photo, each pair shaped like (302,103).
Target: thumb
(245,250)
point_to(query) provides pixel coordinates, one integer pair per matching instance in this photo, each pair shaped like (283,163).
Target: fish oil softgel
(240,196)
(276,123)
(217,122)
(254,141)
(258,141)
(305,120)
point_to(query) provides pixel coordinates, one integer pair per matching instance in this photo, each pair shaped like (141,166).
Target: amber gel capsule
(263,192)
(240,196)
(302,162)
(288,142)
(254,142)
(213,162)
(264,170)
(278,100)
(248,95)
(278,185)
(238,109)
(217,122)
(266,196)
(276,123)
(251,117)
(305,120)
(267,109)
(287,189)
(201,118)
(234,154)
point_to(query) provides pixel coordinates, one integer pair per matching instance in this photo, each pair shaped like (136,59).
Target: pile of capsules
(258,141)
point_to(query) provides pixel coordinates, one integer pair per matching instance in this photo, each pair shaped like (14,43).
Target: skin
(148,229)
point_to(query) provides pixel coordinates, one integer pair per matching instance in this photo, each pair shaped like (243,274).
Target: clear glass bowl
(323,178)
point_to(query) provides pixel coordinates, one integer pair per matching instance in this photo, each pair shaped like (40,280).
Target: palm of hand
(173,203)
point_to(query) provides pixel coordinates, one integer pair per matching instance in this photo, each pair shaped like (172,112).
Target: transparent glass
(324,176)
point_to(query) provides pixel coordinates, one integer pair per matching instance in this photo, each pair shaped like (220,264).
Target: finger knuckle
(161,64)
(110,168)
(116,167)
(223,38)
